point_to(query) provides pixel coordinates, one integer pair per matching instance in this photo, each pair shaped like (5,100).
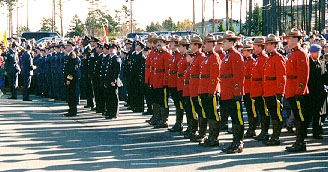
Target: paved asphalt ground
(35,136)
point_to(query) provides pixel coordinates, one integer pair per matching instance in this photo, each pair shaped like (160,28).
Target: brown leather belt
(180,74)
(204,76)
(186,82)
(270,78)
(256,79)
(147,66)
(247,77)
(194,76)
(291,77)
(159,70)
(173,72)
(226,76)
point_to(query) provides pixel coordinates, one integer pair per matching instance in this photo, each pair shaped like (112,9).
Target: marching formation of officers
(207,79)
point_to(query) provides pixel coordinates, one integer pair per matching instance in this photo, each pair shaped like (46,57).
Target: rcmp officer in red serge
(172,83)
(208,89)
(112,82)
(71,75)
(195,47)
(256,90)
(248,102)
(232,90)
(274,86)
(160,70)
(297,70)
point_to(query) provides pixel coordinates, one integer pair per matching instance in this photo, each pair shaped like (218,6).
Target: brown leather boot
(163,118)
(265,122)
(214,130)
(202,130)
(299,145)
(178,122)
(274,140)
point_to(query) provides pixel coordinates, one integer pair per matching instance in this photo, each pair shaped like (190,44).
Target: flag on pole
(5,42)
(107,31)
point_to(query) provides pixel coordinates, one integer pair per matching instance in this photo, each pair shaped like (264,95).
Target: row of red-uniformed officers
(198,73)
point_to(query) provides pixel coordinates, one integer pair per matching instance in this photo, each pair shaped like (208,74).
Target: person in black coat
(317,94)
(71,74)
(27,72)
(12,69)
(112,82)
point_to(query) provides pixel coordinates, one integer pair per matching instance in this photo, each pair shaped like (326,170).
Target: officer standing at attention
(12,69)
(72,78)
(232,90)
(27,72)
(274,86)
(112,82)
(297,70)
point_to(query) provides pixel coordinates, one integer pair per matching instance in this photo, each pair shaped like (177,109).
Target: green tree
(169,25)
(76,27)
(221,27)
(21,30)
(97,21)
(47,25)
(122,17)
(231,27)
(154,27)
(255,23)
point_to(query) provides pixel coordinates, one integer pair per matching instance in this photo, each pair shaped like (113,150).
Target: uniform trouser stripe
(239,113)
(165,98)
(181,105)
(193,109)
(279,110)
(215,110)
(265,108)
(300,110)
(253,108)
(200,103)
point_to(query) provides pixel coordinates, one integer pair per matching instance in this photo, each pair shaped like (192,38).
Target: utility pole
(213,17)
(203,22)
(131,20)
(54,19)
(193,18)
(241,5)
(227,14)
(27,15)
(61,18)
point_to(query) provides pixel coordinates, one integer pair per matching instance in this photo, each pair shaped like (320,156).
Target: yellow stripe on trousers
(181,106)
(300,109)
(165,99)
(278,110)
(253,108)
(193,109)
(215,110)
(265,108)
(200,103)
(239,113)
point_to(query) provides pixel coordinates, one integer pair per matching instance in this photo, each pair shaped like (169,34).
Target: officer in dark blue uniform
(128,63)
(12,69)
(112,82)
(48,73)
(86,75)
(27,72)
(96,77)
(71,79)
(62,92)
(42,80)
(35,84)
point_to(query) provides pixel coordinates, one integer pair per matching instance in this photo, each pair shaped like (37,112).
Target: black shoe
(209,143)
(296,147)
(13,98)
(93,108)
(228,147)
(87,106)
(176,128)
(249,134)
(262,137)
(237,148)
(110,117)
(161,125)
(197,138)
(27,100)
(147,113)
(289,129)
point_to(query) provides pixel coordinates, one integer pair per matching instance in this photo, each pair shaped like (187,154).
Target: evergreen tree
(76,27)
(221,27)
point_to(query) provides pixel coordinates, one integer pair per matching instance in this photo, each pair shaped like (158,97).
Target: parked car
(164,33)
(185,33)
(39,35)
(218,33)
(142,35)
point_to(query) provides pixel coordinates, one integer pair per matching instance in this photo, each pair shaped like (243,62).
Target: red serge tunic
(247,71)
(274,75)
(159,69)
(297,70)
(209,74)
(186,77)
(232,75)
(194,73)
(152,67)
(182,66)
(257,76)
(147,66)
(173,69)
